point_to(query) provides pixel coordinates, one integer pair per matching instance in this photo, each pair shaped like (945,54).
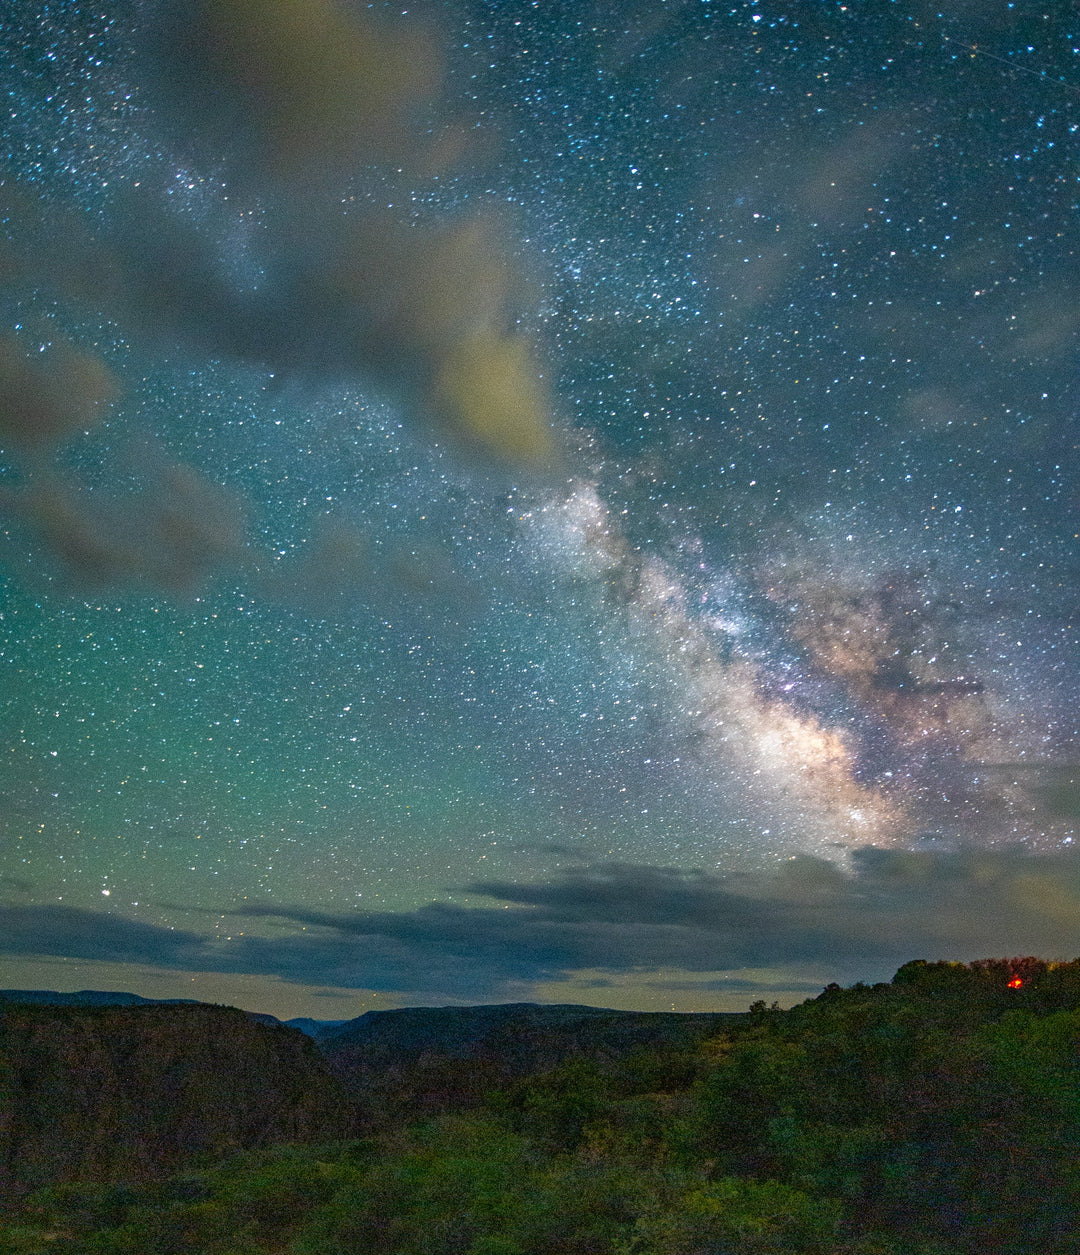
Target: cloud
(806,917)
(426,313)
(737,985)
(333,571)
(308,126)
(70,932)
(1054,786)
(174,531)
(893,907)
(48,396)
(291,89)
(338,571)
(291,101)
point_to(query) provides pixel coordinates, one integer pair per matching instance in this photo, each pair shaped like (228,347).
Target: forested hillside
(130,1092)
(423,1060)
(936,1114)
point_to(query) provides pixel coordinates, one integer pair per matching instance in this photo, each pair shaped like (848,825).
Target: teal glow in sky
(522,500)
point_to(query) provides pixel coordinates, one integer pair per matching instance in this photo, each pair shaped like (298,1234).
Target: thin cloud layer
(337,571)
(46,397)
(175,531)
(615,919)
(69,931)
(290,89)
(293,264)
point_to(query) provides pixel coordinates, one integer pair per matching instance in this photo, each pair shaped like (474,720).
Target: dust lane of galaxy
(518,499)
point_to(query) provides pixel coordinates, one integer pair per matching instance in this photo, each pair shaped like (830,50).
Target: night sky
(536,500)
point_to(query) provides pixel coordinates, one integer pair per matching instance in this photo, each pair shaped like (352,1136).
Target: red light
(1015,983)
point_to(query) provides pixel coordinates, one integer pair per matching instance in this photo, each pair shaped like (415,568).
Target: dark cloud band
(619,919)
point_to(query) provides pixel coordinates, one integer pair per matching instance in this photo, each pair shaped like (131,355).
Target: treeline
(935,1115)
(420,1061)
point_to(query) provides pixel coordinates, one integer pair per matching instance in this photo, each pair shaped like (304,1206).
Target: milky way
(467,459)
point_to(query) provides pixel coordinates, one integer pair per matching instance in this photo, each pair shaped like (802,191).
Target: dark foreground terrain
(939,1113)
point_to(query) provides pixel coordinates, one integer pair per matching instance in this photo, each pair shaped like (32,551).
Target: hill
(116,1092)
(85,998)
(416,1060)
(937,1114)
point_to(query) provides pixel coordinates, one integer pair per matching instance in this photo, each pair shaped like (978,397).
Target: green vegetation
(936,1115)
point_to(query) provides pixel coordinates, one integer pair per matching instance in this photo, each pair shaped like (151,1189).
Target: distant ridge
(87,998)
(314,1028)
(419,1061)
(466,1031)
(107,998)
(507,1029)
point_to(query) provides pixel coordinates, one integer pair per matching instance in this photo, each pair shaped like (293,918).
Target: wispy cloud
(71,932)
(623,920)
(298,119)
